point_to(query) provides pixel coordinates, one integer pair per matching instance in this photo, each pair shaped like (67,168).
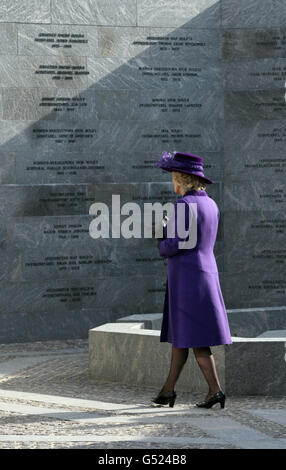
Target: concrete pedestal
(126,352)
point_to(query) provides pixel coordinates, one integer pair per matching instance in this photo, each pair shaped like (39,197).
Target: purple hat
(183,162)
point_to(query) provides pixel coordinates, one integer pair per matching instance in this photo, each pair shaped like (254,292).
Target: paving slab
(91,438)
(278,416)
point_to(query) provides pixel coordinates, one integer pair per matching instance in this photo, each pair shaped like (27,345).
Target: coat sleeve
(169,246)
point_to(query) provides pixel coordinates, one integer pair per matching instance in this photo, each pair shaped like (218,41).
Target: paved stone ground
(48,401)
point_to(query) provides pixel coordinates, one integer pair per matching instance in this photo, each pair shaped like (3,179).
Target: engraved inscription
(165,73)
(278,225)
(170,43)
(169,136)
(173,105)
(64,40)
(69,294)
(62,72)
(64,135)
(64,167)
(277,164)
(63,103)
(276,285)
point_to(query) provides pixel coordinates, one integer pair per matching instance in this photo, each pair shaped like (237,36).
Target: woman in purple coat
(194,314)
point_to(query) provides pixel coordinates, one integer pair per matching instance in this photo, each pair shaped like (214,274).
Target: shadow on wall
(95,131)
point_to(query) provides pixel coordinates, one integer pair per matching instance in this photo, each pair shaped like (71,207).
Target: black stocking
(206,362)
(179,357)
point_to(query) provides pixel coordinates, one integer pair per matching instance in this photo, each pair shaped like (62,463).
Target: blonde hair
(188,182)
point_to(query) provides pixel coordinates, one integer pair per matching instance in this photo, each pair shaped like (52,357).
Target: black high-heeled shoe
(218,397)
(165,399)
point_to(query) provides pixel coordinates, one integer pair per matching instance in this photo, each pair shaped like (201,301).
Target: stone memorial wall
(92,91)
(254,62)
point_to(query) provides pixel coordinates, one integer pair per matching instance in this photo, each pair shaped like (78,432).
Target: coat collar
(193,192)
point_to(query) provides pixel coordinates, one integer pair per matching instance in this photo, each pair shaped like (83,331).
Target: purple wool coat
(194,313)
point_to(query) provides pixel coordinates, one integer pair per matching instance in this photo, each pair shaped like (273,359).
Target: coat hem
(195,346)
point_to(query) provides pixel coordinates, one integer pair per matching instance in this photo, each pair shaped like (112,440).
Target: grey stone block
(157,136)
(262,136)
(260,356)
(53,200)
(147,293)
(43,71)
(101,12)
(58,324)
(251,74)
(254,289)
(71,106)
(255,105)
(152,72)
(29,11)
(46,295)
(196,14)
(256,43)
(147,136)
(62,248)
(53,104)
(162,43)
(199,104)
(254,195)
(253,240)
(44,135)
(253,13)
(252,322)
(75,168)
(254,165)
(35,200)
